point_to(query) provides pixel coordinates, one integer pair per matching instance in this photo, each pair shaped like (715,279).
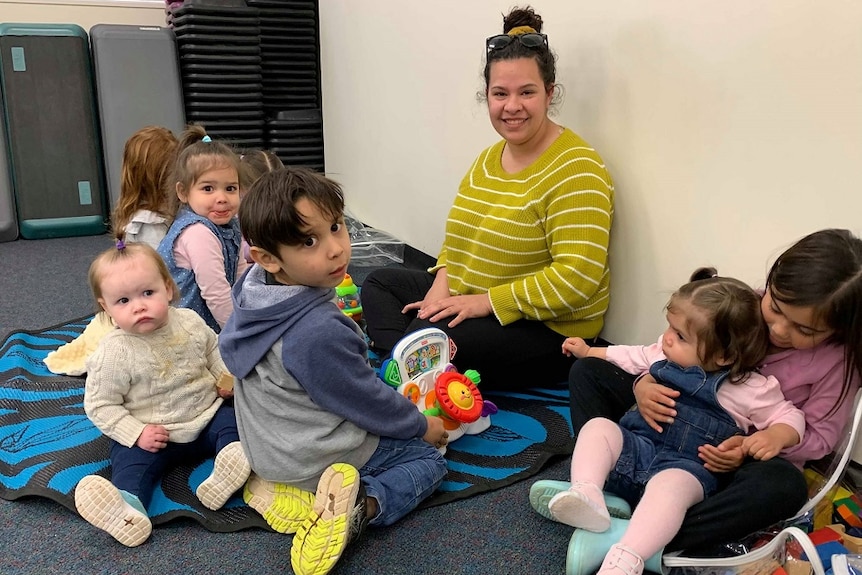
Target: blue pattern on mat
(47,443)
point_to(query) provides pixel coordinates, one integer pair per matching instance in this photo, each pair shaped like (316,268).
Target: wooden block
(853,544)
(797,567)
(225,382)
(824,535)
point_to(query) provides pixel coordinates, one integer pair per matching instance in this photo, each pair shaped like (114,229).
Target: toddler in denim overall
(700,419)
(709,353)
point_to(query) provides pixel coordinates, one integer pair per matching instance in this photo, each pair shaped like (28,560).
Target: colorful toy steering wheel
(457,396)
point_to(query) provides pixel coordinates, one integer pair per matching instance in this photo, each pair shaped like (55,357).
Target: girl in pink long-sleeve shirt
(812,307)
(714,341)
(202,246)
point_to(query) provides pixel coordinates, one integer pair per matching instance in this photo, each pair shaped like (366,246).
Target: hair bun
(703,274)
(525,16)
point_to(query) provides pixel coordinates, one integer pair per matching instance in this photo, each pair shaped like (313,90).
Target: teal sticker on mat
(19,64)
(85,195)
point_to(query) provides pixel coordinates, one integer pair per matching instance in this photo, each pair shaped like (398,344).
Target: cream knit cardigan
(167,377)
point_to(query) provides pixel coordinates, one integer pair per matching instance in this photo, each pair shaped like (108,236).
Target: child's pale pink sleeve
(767,404)
(635,359)
(199,250)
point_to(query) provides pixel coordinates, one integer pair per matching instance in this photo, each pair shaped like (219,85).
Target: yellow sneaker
(282,506)
(338,516)
(230,471)
(104,506)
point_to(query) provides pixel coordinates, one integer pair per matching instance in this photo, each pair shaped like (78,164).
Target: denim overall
(699,420)
(190,291)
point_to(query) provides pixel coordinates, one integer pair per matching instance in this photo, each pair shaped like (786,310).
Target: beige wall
(731,128)
(85,15)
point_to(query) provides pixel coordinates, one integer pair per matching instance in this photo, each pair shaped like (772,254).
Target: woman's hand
(655,401)
(461,306)
(153,438)
(727,456)
(439,290)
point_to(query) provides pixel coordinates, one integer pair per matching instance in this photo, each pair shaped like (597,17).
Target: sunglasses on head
(530,40)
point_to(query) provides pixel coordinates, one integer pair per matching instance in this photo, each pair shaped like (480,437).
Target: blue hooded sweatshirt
(306,397)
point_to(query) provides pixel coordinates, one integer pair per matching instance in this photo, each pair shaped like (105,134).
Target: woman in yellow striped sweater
(524,263)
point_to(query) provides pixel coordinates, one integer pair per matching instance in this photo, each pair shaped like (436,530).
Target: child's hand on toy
(725,457)
(153,438)
(576,346)
(224,393)
(655,401)
(436,434)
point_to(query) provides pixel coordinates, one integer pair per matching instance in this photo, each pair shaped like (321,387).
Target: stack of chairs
(220,63)
(296,137)
(290,59)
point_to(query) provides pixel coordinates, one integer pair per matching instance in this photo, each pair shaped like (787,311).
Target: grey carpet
(44,283)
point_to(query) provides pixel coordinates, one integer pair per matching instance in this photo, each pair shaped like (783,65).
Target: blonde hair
(255,163)
(125,252)
(197,156)
(148,158)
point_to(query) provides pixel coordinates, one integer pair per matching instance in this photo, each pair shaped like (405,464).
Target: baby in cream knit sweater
(152,389)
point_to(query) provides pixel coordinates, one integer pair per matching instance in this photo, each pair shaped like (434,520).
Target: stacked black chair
(220,64)
(296,137)
(289,50)
(290,61)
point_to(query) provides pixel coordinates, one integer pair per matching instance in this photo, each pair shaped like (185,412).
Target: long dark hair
(823,271)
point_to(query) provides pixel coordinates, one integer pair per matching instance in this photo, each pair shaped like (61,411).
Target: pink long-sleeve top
(199,250)
(756,403)
(812,379)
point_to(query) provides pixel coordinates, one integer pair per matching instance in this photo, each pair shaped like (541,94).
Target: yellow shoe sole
(322,538)
(282,506)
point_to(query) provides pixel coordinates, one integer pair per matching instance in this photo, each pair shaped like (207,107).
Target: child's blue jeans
(399,475)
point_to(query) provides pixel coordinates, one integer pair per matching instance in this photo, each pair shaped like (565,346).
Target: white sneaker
(103,506)
(230,472)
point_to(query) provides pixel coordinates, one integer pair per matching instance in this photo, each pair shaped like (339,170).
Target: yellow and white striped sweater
(537,240)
